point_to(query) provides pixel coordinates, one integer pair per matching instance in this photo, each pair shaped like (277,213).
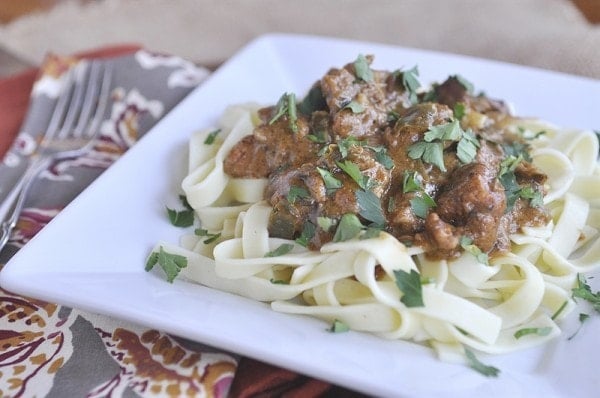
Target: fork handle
(18,202)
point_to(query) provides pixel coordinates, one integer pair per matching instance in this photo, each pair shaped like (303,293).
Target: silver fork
(71,131)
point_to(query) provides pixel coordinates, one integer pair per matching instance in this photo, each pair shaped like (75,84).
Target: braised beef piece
(372,125)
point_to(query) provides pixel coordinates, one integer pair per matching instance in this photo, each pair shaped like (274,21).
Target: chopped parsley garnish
(331,183)
(410,286)
(583,291)
(348,228)
(475,364)
(210,237)
(345,143)
(286,105)
(518,150)
(370,207)
(181,218)
(296,192)
(421,204)
(410,81)
(278,281)
(326,223)
(544,331)
(308,232)
(465,83)
(170,263)
(355,107)
(467,244)
(431,150)
(282,249)
(354,172)
(382,156)
(210,138)
(512,189)
(411,182)
(582,318)
(559,310)
(459,110)
(362,69)
(338,327)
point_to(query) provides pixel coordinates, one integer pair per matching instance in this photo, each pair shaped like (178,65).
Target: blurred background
(561,35)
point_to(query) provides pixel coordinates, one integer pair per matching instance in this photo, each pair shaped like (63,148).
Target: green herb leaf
(282,249)
(410,286)
(170,263)
(445,132)
(348,228)
(181,218)
(296,192)
(411,182)
(465,83)
(475,364)
(536,199)
(467,244)
(428,152)
(331,183)
(582,318)
(466,149)
(278,281)
(362,69)
(354,172)
(421,204)
(583,291)
(370,207)
(382,157)
(371,233)
(338,327)
(210,237)
(286,105)
(459,110)
(325,223)
(410,81)
(308,232)
(545,331)
(210,138)
(559,310)
(345,143)
(354,106)
(517,150)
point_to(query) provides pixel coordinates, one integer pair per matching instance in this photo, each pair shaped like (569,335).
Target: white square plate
(92,255)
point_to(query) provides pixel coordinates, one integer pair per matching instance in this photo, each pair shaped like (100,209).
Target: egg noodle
(467,304)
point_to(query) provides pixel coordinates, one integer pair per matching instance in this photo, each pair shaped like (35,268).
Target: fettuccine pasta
(465,302)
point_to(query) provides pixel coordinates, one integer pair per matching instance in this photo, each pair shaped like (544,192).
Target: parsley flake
(338,327)
(475,364)
(308,232)
(583,291)
(296,193)
(467,244)
(410,286)
(544,331)
(210,237)
(421,204)
(370,207)
(181,218)
(410,81)
(362,69)
(282,249)
(170,263)
(286,105)
(348,228)
(210,138)
(331,183)
(354,172)
(355,107)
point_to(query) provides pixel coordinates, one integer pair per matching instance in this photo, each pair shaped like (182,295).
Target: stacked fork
(71,132)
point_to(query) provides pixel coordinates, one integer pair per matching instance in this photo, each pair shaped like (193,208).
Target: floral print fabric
(55,351)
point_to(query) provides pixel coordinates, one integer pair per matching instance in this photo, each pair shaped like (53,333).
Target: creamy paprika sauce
(441,168)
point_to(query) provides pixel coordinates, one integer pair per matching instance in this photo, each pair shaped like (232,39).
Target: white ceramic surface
(92,255)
